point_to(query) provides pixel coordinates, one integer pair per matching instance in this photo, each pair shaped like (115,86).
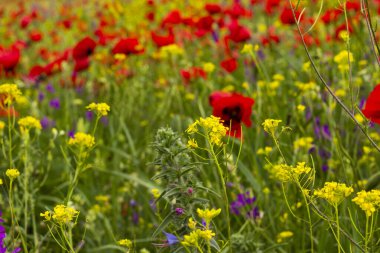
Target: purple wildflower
(50,88)
(89,115)
(54,103)
(3,234)
(243,203)
(179,211)
(170,238)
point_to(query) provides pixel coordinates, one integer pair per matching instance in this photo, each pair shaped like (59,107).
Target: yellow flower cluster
(208,67)
(101,109)
(369,201)
(12,173)
(125,242)
(264,151)
(61,214)
(194,236)
(172,49)
(342,59)
(213,127)
(191,143)
(208,214)
(270,125)
(29,122)
(191,223)
(10,93)
(156,193)
(283,235)
(2,126)
(304,142)
(82,140)
(334,193)
(285,173)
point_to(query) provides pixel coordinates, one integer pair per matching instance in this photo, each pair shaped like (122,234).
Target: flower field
(232,126)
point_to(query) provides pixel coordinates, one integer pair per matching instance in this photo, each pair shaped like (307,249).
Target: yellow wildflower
(304,142)
(101,109)
(191,239)
(82,140)
(264,151)
(191,223)
(155,192)
(208,67)
(9,93)
(333,192)
(63,214)
(369,201)
(12,173)
(283,235)
(342,59)
(46,215)
(208,214)
(270,125)
(28,123)
(191,143)
(301,108)
(125,242)
(247,49)
(206,234)
(213,127)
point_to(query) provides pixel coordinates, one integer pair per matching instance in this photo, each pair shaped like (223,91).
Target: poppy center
(233,114)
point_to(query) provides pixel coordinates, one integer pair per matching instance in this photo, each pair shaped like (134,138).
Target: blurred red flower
(229,65)
(372,106)
(233,109)
(84,48)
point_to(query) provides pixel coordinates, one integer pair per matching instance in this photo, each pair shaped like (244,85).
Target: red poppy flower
(81,64)
(84,48)
(9,59)
(238,33)
(173,18)
(35,36)
(192,73)
(128,46)
(229,65)
(372,106)
(286,16)
(233,109)
(161,41)
(212,8)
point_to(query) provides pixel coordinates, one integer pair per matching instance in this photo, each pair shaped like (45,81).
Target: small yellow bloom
(283,235)
(63,214)
(247,49)
(155,192)
(208,67)
(82,140)
(334,193)
(368,201)
(208,214)
(304,142)
(301,108)
(270,125)
(12,173)
(191,143)
(9,93)
(206,234)
(125,242)
(100,109)
(191,239)
(46,215)
(191,223)
(28,123)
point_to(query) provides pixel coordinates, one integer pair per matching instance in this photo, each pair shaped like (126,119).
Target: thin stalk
(223,183)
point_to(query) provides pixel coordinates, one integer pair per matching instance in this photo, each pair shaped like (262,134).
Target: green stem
(337,227)
(223,183)
(366,233)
